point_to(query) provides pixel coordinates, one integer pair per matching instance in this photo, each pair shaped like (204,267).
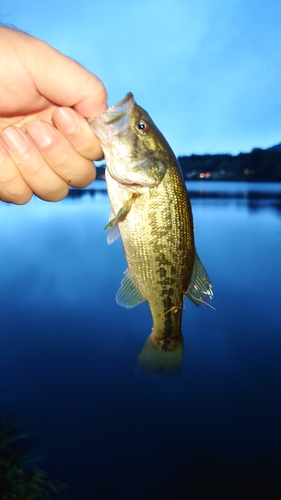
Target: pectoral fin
(113,231)
(128,294)
(122,212)
(200,290)
(114,220)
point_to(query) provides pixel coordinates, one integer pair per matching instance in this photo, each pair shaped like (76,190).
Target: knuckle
(65,164)
(15,191)
(90,148)
(29,165)
(53,193)
(85,143)
(80,180)
(23,199)
(61,161)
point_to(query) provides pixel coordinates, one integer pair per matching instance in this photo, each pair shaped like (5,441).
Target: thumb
(63,81)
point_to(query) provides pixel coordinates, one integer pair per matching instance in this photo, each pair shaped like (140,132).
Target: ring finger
(13,188)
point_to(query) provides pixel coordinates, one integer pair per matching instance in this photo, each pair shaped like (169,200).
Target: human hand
(46,143)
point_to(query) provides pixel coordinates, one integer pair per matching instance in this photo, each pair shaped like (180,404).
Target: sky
(208,72)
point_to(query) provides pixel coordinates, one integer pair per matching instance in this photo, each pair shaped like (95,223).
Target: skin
(46,143)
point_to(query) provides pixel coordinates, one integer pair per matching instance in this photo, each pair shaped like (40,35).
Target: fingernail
(41,133)
(66,120)
(14,139)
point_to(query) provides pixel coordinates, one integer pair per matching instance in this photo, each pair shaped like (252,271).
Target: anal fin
(128,295)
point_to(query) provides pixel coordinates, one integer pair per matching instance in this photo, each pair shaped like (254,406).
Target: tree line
(258,165)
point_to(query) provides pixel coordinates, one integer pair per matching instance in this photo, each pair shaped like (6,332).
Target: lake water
(67,353)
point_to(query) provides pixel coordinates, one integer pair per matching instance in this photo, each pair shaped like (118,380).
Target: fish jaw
(114,121)
(112,128)
(116,129)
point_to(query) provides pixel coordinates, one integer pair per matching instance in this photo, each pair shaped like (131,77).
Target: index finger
(79,133)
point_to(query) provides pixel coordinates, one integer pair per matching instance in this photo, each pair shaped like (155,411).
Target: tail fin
(164,358)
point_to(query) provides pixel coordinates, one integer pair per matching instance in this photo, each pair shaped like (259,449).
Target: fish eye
(142,127)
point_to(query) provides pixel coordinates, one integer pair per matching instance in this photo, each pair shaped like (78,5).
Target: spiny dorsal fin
(128,294)
(200,290)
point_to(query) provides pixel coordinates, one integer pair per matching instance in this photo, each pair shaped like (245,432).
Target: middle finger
(61,155)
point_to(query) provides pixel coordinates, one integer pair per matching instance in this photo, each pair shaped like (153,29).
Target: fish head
(136,153)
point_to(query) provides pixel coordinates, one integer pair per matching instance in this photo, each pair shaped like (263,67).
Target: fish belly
(157,236)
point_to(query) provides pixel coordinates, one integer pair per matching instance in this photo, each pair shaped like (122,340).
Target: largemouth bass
(152,213)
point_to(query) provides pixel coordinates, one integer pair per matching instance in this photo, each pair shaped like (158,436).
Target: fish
(151,211)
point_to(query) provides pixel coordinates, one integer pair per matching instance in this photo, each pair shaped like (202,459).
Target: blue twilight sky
(208,71)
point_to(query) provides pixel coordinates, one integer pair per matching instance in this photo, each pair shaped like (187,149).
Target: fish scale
(151,208)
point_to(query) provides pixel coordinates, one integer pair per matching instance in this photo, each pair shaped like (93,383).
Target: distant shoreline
(260,165)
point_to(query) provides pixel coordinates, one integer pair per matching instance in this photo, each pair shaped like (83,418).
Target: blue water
(67,354)
(230,188)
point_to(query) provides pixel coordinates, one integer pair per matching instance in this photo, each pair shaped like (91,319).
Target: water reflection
(256,196)
(68,351)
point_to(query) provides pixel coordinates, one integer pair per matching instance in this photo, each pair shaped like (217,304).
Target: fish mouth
(116,112)
(112,128)
(115,120)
